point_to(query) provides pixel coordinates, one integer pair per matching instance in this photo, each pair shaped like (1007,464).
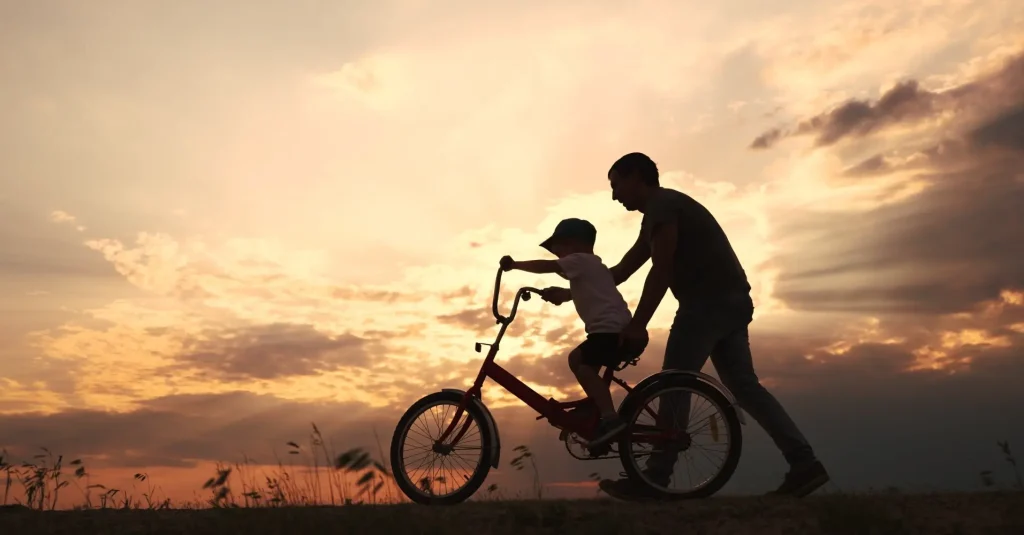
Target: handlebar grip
(494,304)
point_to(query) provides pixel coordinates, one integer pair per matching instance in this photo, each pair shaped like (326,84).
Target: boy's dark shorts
(602,349)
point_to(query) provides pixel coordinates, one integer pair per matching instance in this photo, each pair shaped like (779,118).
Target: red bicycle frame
(549,408)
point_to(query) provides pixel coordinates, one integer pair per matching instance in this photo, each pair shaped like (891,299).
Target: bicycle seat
(631,356)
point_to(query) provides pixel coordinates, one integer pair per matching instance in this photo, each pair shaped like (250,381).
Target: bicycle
(576,419)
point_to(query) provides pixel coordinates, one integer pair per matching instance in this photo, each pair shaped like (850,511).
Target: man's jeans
(719,330)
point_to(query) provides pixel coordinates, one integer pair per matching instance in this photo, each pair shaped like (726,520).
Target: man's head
(633,177)
(571,236)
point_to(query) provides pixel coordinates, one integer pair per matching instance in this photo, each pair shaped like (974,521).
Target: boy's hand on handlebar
(507,263)
(555,295)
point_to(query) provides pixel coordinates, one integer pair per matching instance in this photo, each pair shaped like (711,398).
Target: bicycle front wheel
(684,438)
(433,473)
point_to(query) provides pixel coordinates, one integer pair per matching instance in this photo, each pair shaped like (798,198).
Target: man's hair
(640,163)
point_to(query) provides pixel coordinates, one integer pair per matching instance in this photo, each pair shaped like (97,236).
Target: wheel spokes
(441,468)
(686,440)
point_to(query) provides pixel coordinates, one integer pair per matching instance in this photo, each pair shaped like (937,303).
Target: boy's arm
(537,266)
(636,256)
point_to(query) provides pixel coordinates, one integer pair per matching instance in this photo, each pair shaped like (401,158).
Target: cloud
(843,49)
(767,139)
(232,270)
(60,216)
(861,258)
(1005,131)
(907,103)
(948,243)
(271,352)
(903,103)
(852,390)
(180,430)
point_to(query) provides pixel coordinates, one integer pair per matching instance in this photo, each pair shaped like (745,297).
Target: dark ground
(959,514)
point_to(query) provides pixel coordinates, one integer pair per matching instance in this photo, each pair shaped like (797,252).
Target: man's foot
(802,480)
(627,490)
(608,428)
(632,489)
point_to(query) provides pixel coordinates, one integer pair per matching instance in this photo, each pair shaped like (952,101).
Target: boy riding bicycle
(601,307)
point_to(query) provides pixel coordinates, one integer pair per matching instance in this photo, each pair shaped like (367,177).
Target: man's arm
(635,257)
(537,266)
(663,252)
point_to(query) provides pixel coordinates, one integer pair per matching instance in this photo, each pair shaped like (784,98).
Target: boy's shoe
(607,429)
(802,480)
(581,414)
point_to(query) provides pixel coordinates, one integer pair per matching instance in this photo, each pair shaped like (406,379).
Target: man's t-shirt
(597,300)
(706,267)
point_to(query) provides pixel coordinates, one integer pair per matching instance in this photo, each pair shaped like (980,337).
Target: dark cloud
(877,164)
(271,352)
(1006,131)
(905,103)
(942,250)
(184,429)
(767,139)
(872,422)
(479,318)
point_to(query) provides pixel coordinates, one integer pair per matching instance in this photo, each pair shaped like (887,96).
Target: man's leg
(690,341)
(734,363)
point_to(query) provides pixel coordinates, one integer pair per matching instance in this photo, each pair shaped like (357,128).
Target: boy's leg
(598,350)
(593,386)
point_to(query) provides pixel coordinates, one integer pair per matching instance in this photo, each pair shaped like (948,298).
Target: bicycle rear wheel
(676,425)
(439,474)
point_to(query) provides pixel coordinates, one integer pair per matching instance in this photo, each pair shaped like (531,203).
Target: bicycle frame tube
(490,369)
(547,408)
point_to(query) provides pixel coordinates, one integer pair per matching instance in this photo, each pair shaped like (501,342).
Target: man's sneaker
(802,480)
(607,429)
(632,489)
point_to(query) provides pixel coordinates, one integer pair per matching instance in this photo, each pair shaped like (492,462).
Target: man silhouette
(691,254)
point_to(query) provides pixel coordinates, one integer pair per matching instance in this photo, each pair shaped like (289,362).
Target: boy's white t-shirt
(597,300)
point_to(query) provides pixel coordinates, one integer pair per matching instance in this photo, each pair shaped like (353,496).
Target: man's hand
(507,263)
(555,295)
(634,334)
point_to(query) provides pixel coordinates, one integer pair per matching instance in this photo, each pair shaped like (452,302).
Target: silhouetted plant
(372,474)
(519,462)
(1005,447)
(986,478)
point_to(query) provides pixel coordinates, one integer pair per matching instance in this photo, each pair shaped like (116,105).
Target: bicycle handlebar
(523,293)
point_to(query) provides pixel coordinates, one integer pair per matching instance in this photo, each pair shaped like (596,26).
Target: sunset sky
(220,221)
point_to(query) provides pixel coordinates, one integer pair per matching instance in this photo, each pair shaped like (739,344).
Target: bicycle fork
(439,445)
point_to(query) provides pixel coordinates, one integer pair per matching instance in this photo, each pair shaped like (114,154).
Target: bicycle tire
(410,488)
(629,410)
